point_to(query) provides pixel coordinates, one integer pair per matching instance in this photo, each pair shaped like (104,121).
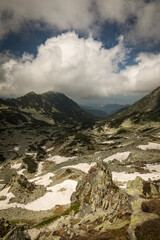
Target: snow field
(118,156)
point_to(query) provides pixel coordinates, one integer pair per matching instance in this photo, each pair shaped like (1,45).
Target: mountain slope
(146,109)
(50,108)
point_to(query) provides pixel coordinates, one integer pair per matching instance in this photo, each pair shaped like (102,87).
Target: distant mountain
(113,108)
(97,112)
(46,108)
(146,109)
(104,111)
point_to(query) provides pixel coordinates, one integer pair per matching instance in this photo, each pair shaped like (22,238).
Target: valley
(66,175)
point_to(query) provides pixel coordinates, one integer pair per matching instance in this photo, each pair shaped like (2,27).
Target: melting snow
(84,167)
(49,149)
(108,142)
(40,167)
(150,146)
(153,167)
(125,177)
(34,154)
(55,197)
(118,156)
(48,201)
(43,180)
(16,165)
(58,159)
(20,172)
(16,149)
(4,204)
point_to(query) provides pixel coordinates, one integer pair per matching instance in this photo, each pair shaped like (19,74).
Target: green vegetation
(74,208)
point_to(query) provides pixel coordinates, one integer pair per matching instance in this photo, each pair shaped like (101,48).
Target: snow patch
(58,159)
(48,201)
(153,167)
(16,149)
(20,172)
(34,154)
(16,165)
(49,149)
(55,197)
(43,180)
(40,167)
(5,203)
(108,142)
(84,167)
(150,146)
(118,156)
(125,177)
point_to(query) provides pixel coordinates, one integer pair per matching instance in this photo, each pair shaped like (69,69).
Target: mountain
(49,108)
(113,108)
(146,109)
(97,111)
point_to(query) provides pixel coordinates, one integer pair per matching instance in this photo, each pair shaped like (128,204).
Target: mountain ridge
(145,109)
(52,105)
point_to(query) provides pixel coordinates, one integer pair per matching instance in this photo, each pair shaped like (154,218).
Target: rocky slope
(146,109)
(104,211)
(83,181)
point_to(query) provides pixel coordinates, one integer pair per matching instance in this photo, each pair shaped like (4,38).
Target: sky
(91,50)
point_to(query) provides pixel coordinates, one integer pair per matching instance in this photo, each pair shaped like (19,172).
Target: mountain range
(48,108)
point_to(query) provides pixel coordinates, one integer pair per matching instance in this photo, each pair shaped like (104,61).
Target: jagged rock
(24,190)
(97,191)
(102,204)
(141,186)
(12,232)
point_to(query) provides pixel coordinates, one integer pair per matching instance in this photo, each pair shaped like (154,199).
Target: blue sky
(87,49)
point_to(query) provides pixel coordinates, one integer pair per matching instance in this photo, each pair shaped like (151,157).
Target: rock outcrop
(24,191)
(10,232)
(102,206)
(142,187)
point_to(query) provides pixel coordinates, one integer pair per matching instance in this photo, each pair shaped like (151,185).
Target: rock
(141,186)
(136,185)
(102,204)
(23,190)
(9,231)
(2,198)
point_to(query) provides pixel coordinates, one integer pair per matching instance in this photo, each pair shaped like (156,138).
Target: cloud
(80,68)
(144,76)
(146,28)
(84,15)
(144,15)
(60,14)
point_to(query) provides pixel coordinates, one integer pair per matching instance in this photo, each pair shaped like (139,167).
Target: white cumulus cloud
(80,68)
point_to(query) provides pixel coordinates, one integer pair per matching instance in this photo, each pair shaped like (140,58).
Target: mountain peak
(30,93)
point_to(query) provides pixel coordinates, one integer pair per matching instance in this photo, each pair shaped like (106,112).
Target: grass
(74,208)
